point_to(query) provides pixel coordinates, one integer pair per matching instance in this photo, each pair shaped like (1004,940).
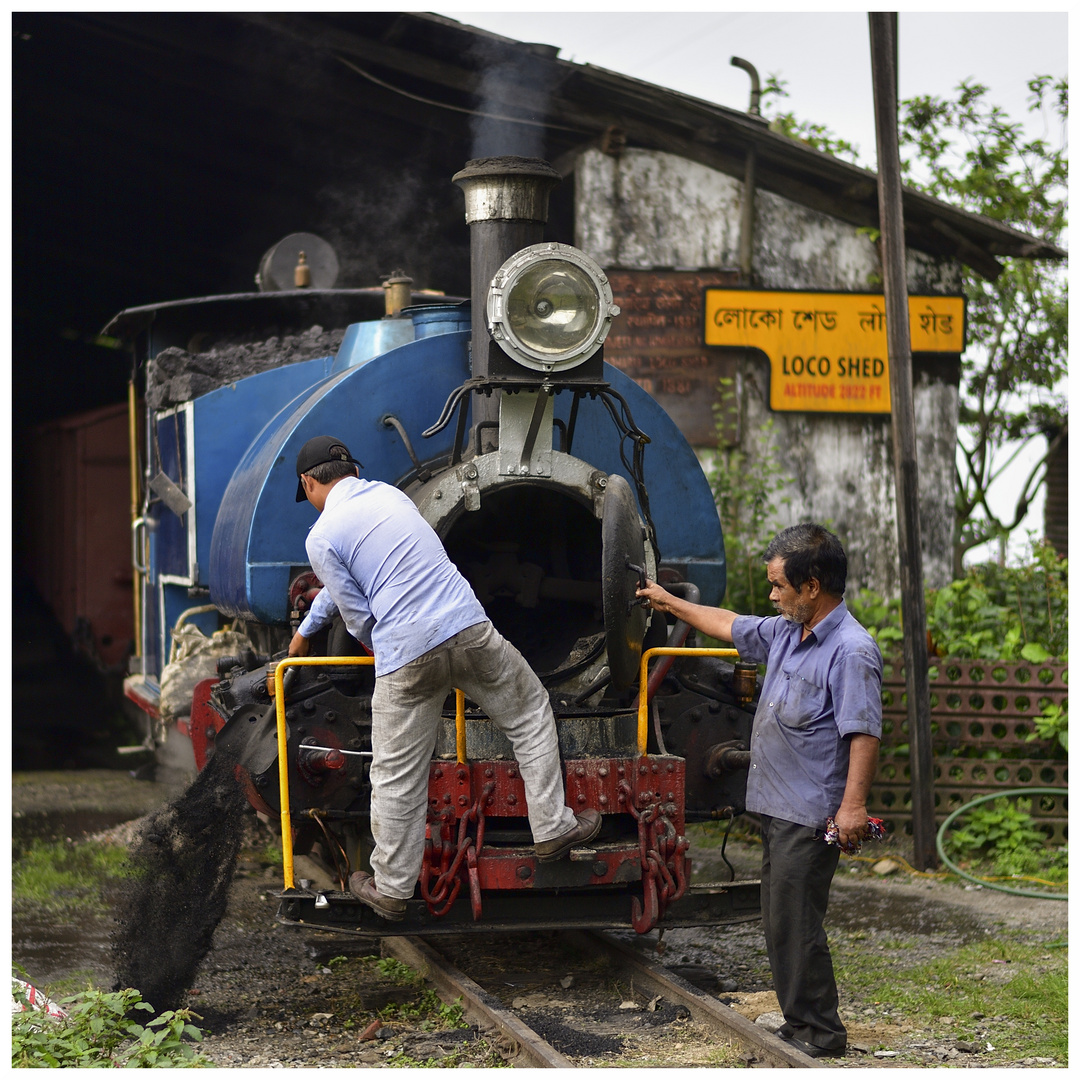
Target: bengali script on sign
(828,351)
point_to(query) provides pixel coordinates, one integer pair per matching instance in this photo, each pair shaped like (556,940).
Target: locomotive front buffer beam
(633,876)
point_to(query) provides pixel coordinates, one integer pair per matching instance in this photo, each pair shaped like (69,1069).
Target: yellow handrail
(282,741)
(643,701)
(339,661)
(459,725)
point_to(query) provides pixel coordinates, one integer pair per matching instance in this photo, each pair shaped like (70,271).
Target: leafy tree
(993,612)
(818,136)
(968,152)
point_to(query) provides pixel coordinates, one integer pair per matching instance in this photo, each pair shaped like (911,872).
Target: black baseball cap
(319,451)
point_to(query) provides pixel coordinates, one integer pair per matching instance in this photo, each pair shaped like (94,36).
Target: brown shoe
(362,886)
(588,825)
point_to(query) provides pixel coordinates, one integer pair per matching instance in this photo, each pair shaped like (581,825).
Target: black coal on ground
(571,1040)
(181,865)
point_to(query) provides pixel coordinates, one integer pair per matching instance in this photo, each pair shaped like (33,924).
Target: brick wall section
(657,341)
(976,706)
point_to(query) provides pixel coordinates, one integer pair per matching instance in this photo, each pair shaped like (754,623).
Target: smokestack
(506,208)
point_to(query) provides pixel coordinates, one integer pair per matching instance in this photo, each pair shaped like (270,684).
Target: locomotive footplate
(709,904)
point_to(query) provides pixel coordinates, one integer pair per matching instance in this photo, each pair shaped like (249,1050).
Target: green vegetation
(1003,991)
(58,875)
(428,1012)
(1000,838)
(747,489)
(968,152)
(397,972)
(1052,725)
(993,612)
(881,617)
(100,1032)
(270,854)
(427,1008)
(1004,612)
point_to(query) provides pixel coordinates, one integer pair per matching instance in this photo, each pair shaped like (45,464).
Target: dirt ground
(870,913)
(272,996)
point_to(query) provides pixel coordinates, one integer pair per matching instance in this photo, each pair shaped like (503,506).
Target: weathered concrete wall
(647,210)
(841,474)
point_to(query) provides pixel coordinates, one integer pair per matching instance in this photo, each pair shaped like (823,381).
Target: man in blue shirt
(813,754)
(387,574)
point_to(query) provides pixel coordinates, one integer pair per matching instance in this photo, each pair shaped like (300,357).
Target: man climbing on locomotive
(813,754)
(387,574)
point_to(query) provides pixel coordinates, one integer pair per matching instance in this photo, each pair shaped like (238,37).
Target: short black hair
(327,471)
(810,551)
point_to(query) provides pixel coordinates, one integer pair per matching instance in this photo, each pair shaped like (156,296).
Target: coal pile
(176,375)
(181,865)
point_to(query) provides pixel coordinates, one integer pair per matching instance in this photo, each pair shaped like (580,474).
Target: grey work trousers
(797,868)
(406,708)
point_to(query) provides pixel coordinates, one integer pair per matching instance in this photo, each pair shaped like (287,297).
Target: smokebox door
(624,621)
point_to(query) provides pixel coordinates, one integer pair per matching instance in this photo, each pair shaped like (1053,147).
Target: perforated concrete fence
(982,712)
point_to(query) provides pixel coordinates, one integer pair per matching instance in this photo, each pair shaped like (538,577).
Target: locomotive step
(608,907)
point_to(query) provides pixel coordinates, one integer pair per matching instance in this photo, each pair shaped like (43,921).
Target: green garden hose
(1034,893)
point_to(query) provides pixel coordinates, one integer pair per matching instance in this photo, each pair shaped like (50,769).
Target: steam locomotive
(556,484)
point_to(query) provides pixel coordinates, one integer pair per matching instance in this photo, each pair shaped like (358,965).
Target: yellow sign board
(828,350)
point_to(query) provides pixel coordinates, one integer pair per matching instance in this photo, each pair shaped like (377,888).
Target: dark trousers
(797,868)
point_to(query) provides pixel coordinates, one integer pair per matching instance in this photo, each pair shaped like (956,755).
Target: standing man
(386,572)
(813,754)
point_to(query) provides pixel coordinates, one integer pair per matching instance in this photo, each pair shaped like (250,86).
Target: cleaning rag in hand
(832,834)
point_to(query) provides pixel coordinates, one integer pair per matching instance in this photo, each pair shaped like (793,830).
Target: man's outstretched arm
(716,622)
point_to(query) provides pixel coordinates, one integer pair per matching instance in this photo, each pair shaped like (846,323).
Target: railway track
(506,971)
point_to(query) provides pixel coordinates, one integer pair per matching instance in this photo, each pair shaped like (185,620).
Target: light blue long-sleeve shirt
(387,573)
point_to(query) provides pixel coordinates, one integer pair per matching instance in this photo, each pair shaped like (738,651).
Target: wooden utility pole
(905,459)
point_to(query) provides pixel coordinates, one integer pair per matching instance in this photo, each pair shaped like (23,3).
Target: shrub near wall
(998,690)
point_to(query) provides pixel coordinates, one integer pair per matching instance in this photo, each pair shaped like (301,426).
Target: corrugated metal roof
(581,102)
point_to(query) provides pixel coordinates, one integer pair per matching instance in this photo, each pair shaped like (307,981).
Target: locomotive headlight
(550,307)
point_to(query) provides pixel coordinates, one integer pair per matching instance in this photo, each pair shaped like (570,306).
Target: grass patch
(427,1013)
(1003,991)
(55,875)
(397,972)
(270,854)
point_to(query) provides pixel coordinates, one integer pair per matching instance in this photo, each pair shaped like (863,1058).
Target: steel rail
(477,1003)
(759,1047)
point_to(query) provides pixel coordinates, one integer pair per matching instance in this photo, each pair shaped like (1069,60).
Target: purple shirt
(815,693)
